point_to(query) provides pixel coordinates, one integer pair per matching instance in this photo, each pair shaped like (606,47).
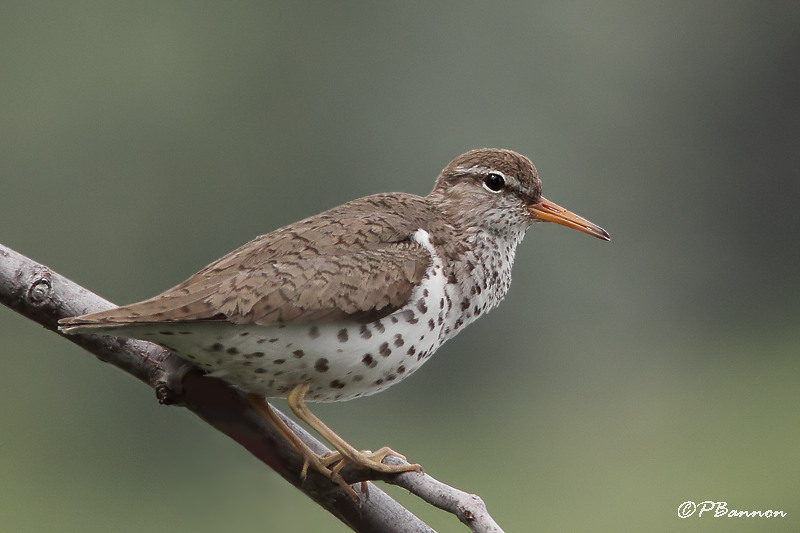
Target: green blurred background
(142,140)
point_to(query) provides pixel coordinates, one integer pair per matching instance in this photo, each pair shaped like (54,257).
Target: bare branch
(44,296)
(469,508)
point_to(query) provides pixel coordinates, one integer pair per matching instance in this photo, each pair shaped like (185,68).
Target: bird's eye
(493,182)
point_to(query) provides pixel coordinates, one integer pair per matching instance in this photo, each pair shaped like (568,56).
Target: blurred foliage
(142,140)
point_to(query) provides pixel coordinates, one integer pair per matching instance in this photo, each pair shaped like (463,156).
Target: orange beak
(547,211)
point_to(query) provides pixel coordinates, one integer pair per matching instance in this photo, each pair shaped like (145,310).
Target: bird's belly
(338,360)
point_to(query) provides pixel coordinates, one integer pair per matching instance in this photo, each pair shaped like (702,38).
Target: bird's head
(500,190)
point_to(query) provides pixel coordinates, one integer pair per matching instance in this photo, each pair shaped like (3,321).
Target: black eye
(494,181)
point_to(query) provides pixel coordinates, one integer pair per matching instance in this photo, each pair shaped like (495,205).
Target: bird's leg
(310,457)
(347,454)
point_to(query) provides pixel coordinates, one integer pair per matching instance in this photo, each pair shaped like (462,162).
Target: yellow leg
(310,457)
(347,454)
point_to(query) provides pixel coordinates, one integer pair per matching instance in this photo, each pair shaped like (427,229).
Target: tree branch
(38,293)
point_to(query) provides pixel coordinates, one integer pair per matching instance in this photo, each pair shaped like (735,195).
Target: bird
(351,301)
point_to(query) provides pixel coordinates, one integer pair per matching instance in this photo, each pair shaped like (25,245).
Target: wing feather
(328,267)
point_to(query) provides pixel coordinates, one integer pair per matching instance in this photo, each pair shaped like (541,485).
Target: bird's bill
(547,211)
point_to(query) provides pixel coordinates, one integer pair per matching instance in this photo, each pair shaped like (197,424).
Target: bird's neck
(479,278)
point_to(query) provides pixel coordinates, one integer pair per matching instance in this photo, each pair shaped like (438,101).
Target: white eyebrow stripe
(483,170)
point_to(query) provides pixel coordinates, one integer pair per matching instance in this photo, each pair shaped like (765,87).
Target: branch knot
(40,288)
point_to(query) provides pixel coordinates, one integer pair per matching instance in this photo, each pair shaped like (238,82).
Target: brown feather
(357,261)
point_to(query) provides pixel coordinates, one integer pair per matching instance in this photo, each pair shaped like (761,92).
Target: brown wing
(358,260)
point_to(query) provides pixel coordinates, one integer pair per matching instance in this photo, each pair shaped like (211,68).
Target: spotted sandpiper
(350,301)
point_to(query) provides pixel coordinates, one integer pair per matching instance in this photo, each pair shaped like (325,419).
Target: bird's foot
(321,463)
(334,462)
(368,460)
(331,464)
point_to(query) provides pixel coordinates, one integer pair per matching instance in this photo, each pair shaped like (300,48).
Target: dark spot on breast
(411,351)
(216,347)
(369,360)
(166,333)
(421,306)
(401,369)
(398,340)
(336,384)
(321,365)
(425,293)
(431,324)
(298,353)
(232,351)
(274,339)
(260,371)
(313,332)
(364,332)
(278,361)
(384,349)
(465,304)
(378,325)
(410,316)
(244,334)
(342,335)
